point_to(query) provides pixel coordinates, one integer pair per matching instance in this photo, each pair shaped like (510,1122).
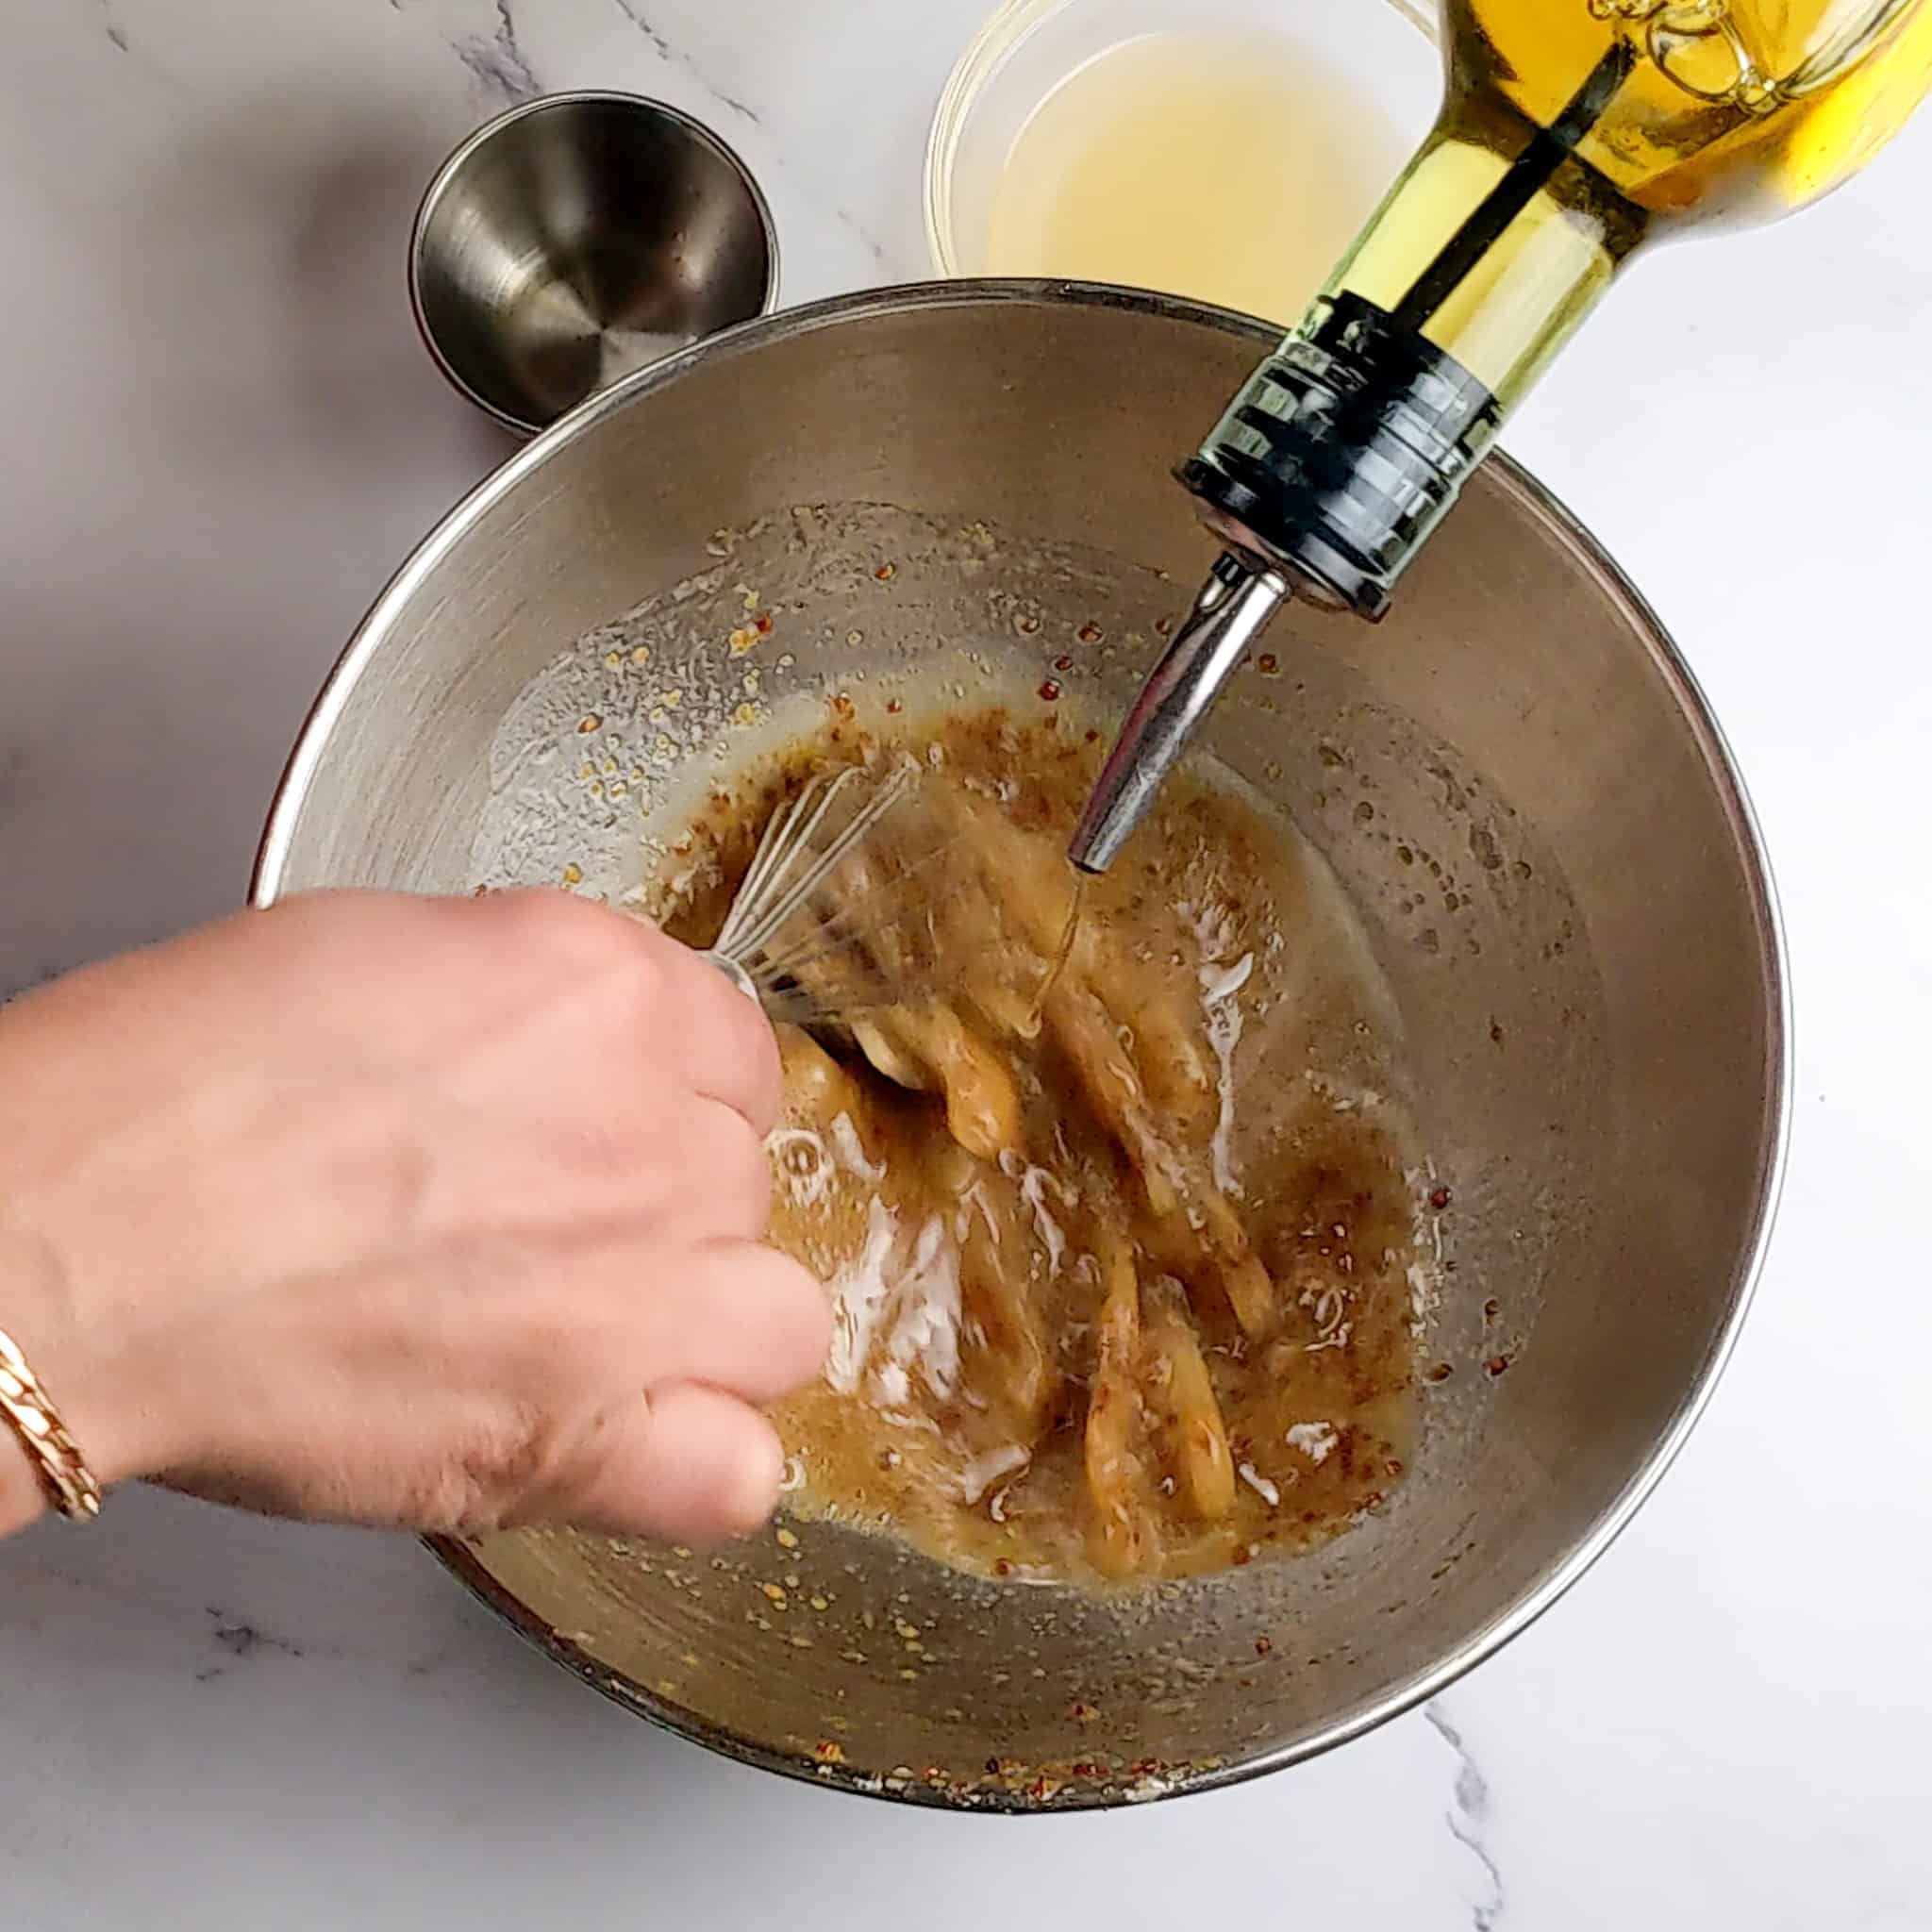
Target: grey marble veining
(1468,1817)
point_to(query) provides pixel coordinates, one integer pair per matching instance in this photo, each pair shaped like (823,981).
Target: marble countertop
(222,435)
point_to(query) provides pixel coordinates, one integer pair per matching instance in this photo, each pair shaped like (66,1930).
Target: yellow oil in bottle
(1572,133)
(1650,115)
(1221,164)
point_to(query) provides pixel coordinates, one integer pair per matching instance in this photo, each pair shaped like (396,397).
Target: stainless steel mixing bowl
(1514,777)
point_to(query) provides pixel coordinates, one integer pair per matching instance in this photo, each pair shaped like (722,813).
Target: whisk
(835,916)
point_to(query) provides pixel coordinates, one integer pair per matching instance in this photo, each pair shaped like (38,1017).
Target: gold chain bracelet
(64,1475)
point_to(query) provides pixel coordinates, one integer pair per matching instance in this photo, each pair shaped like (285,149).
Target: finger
(689,1464)
(730,1053)
(735,1314)
(729,1193)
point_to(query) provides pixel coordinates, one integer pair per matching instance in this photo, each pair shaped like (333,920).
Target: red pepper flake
(1440,1373)
(895,705)
(1264,1645)
(1083,1713)
(1496,1364)
(1093,738)
(1089,633)
(762,623)
(1270,663)
(885,573)
(1439,1198)
(829,1751)
(1063,662)
(1049,690)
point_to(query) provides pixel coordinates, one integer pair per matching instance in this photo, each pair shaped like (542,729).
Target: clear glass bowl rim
(981,60)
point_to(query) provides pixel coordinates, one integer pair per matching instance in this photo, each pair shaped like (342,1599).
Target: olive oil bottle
(1573,134)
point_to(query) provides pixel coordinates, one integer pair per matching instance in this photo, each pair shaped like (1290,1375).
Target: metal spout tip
(1230,612)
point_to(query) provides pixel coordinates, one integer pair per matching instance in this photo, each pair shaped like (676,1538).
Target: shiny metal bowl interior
(577,238)
(1514,777)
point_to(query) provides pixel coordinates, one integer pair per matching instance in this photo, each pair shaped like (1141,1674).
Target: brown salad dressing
(1124,1256)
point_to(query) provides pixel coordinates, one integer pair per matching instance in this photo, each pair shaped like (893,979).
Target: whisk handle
(734,973)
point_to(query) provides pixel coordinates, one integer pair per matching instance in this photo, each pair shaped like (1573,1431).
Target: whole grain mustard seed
(573,874)
(589,722)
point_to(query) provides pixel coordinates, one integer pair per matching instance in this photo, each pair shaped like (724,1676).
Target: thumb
(686,1464)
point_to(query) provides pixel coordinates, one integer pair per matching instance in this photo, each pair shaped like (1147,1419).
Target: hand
(436,1213)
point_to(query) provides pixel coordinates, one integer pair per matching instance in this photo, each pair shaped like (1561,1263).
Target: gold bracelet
(64,1475)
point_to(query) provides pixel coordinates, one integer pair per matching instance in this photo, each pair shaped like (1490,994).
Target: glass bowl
(1376,55)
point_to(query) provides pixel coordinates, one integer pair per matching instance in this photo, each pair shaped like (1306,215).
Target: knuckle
(732,1161)
(798,1320)
(489,1473)
(571,931)
(745,1048)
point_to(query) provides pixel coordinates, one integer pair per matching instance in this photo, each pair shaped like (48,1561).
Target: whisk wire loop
(787,920)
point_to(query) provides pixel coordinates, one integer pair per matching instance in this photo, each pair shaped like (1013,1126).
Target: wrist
(74,1386)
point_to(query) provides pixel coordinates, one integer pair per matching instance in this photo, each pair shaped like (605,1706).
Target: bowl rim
(273,853)
(479,137)
(979,63)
